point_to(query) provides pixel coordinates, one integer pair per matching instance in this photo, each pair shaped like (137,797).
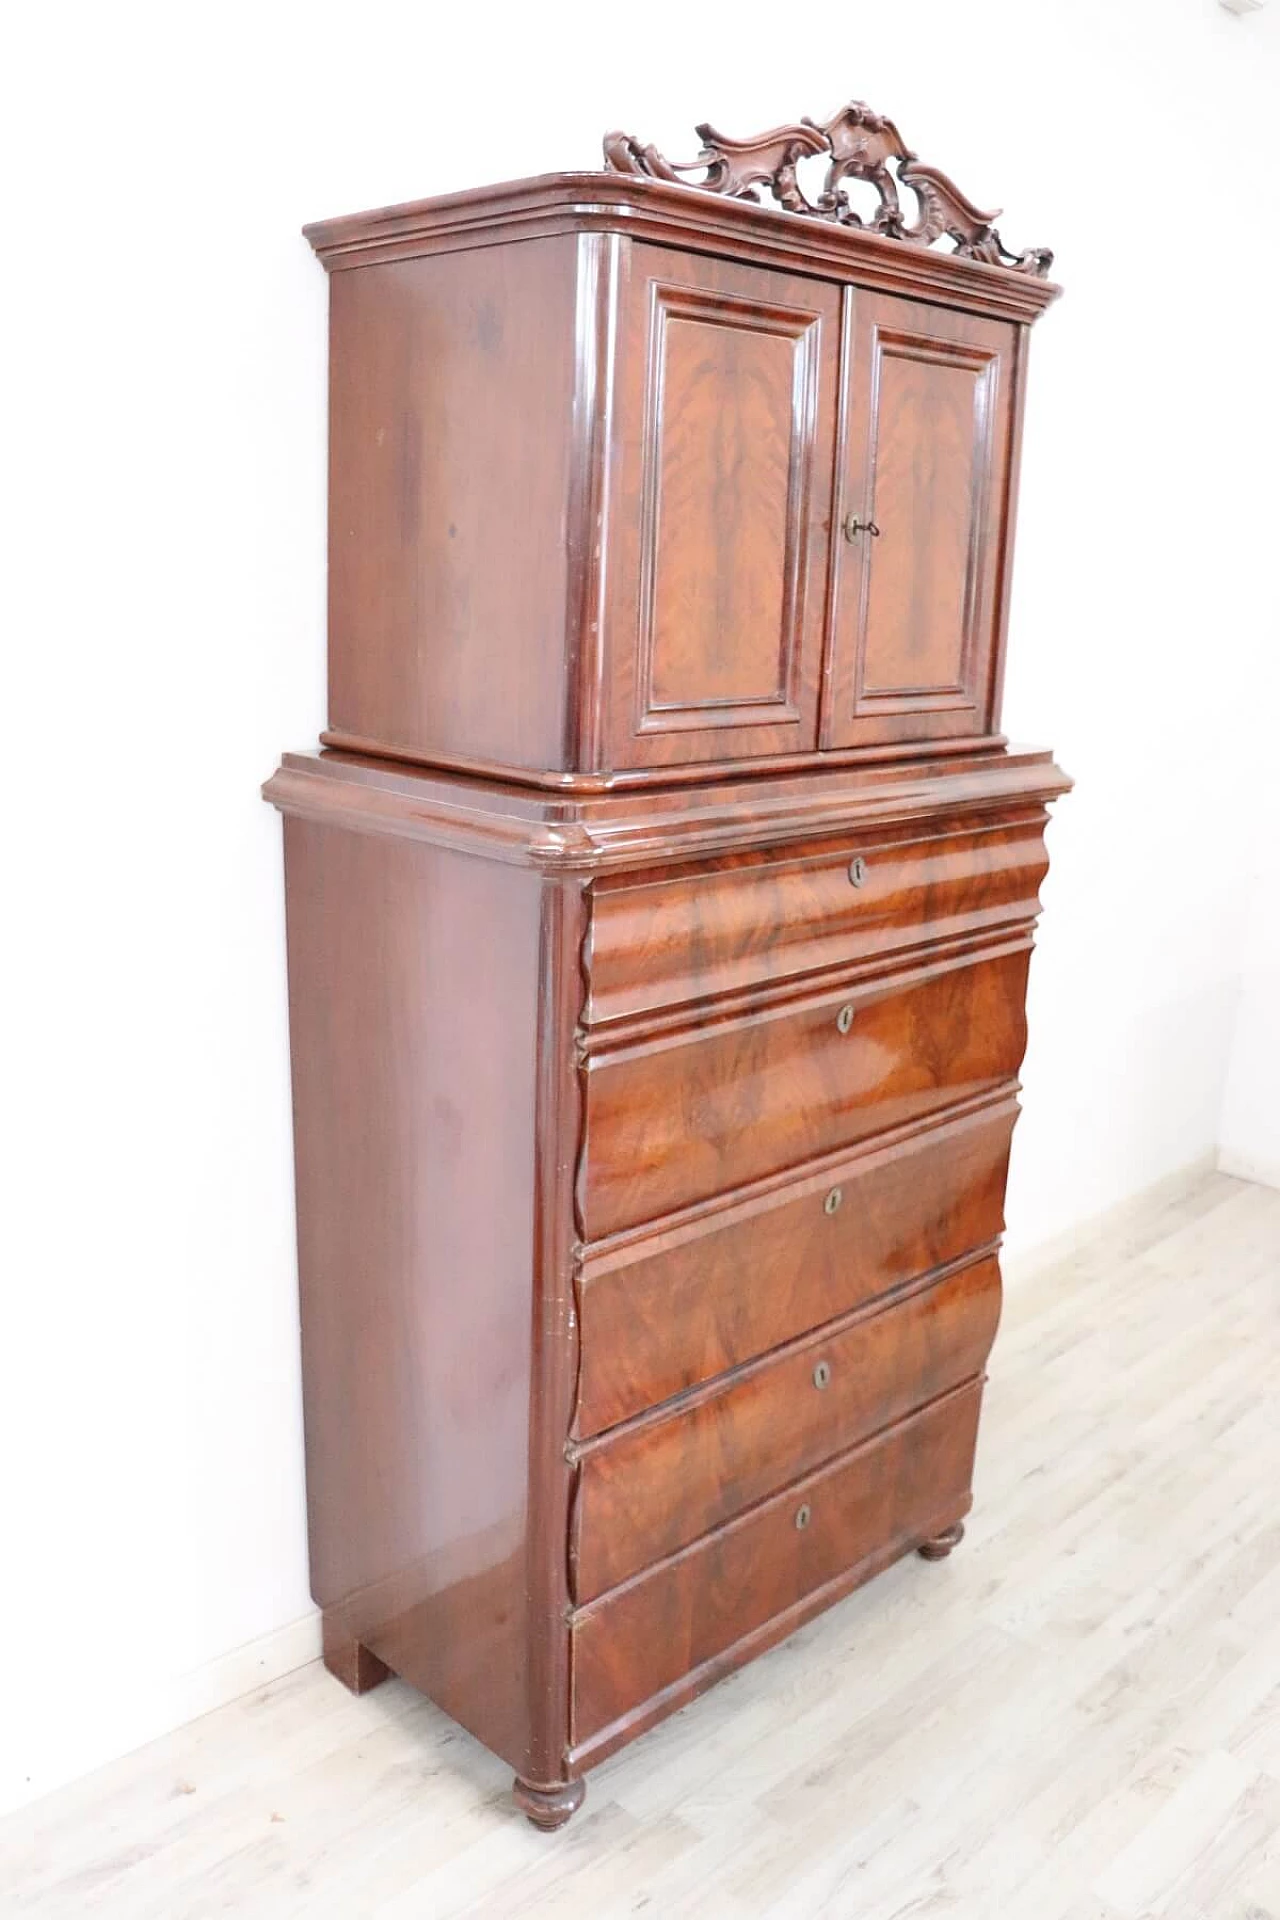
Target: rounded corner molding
(860,145)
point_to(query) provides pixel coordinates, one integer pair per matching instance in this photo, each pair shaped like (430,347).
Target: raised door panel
(723,435)
(923,523)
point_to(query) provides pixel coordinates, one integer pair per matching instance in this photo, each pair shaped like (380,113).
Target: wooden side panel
(669,939)
(654,1486)
(414,1001)
(666,1311)
(924,523)
(724,442)
(643,1650)
(674,1119)
(451,435)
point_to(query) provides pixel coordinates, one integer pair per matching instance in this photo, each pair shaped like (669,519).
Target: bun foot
(549,1807)
(940,1546)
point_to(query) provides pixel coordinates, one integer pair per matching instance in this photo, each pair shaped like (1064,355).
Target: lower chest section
(798,1081)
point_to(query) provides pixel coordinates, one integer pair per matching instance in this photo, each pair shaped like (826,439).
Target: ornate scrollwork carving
(863,146)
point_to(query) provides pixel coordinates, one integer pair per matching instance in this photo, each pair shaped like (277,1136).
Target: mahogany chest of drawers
(659,914)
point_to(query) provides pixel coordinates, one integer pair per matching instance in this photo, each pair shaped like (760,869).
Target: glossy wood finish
(719,511)
(859,145)
(683,1115)
(441,966)
(415,1135)
(645,438)
(675,938)
(551,1806)
(599,202)
(942,1544)
(655,1485)
(659,939)
(594,834)
(663,1310)
(645,1648)
(926,467)
(451,394)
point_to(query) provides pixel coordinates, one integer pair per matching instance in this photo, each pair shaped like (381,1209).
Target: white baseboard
(154,1708)
(1242,1166)
(1171,1187)
(246,1668)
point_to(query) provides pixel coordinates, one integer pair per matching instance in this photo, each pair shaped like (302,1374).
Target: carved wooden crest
(861,145)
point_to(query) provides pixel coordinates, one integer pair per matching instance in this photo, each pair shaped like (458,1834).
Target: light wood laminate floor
(1076,1717)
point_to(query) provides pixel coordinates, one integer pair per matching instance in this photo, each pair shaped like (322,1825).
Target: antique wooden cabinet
(659,913)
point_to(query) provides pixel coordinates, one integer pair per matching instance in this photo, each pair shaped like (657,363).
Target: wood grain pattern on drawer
(642,1650)
(662,941)
(681,1116)
(650,1489)
(667,1310)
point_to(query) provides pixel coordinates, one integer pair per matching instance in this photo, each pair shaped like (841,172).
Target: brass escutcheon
(832,1202)
(857,870)
(822,1375)
(853,527)
(803,1517)
(844,1019)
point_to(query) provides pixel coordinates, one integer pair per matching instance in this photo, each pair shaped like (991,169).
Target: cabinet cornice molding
(675,215)
(614,831)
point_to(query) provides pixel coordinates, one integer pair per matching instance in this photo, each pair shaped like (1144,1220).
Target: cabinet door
(719,515)
(922,523)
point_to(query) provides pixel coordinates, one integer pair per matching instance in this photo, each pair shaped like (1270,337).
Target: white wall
(164,436)
(1249,1131)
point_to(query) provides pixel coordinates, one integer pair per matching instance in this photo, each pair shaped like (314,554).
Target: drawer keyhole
(822,1375)
(803,1517)
(832,1202)
(844,1019)
(857,870)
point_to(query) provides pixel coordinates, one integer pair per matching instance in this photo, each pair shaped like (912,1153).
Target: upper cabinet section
(719,508)
(633,483)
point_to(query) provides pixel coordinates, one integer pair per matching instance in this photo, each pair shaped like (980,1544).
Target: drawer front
(716,929)
(682,1116)
(678,1307)
(651,1489)
(675,1630)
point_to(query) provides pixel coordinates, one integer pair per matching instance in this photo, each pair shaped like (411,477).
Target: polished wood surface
(858,144)
(719,511)
(626,830)
(659,924)
(665,1309)
(654,1643)
(670,939)
(414,1155)
(432,365)
(658,1483)
(591,202)
(926,466)
(673,582)
(685,1114)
